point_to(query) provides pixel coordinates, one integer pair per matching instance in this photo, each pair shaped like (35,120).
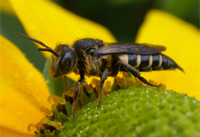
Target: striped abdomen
(151,62)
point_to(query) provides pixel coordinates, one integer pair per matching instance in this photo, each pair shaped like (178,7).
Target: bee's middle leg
(103,78)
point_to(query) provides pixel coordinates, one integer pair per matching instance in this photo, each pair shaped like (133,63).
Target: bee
(93,57)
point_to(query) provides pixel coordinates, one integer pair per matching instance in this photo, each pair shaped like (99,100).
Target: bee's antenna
(39,42)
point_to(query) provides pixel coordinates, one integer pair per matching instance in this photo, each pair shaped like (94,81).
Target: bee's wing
(116,48)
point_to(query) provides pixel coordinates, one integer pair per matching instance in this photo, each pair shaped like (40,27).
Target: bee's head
(63,62)
(63,59)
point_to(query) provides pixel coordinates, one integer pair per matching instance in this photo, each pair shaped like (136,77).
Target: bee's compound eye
(66,60)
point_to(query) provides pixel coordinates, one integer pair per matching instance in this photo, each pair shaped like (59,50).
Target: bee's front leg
(66,83)
(76,94)
(103,78)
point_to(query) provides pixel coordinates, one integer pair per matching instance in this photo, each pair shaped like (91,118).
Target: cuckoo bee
(93,57)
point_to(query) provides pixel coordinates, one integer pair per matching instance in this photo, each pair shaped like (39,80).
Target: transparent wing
(116,48)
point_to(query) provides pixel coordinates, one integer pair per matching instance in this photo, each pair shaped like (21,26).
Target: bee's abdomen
(152,62)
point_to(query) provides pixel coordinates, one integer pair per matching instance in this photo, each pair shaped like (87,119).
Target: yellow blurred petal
(23,89)
(6,7)
(16,113)
(10,133)
(183,45)
(51,24)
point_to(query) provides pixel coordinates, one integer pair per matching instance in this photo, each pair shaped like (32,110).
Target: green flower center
(138,112)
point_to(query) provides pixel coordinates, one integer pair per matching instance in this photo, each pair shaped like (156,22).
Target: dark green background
(121,17)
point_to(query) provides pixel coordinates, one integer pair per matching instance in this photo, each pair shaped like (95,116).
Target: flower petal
(49,23)
(182,42)
(10,133)
(23,89)
(6,7)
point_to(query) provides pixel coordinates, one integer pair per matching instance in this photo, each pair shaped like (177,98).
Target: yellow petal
(10,133)
(6,7)
(23,89)
(51,24)
(183,45)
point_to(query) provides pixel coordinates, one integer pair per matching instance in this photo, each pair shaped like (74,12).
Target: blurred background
(122,17)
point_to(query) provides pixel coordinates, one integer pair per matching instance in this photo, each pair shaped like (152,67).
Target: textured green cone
(138,112)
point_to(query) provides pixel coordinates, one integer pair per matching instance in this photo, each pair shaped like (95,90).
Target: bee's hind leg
(135,73)
(103,78)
